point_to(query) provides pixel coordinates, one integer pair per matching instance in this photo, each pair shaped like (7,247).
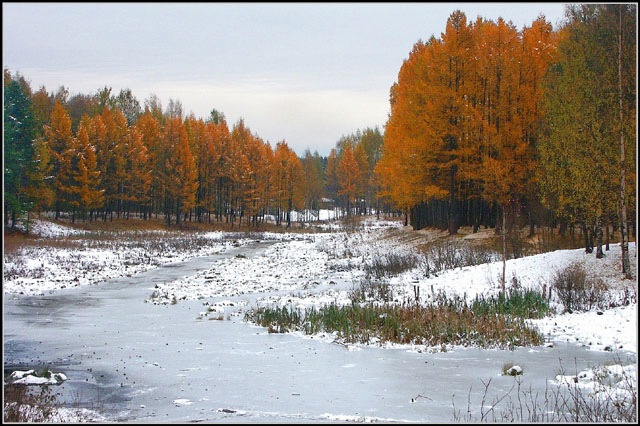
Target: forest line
(489,126)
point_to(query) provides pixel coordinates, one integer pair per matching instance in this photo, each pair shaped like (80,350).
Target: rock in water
(516,370)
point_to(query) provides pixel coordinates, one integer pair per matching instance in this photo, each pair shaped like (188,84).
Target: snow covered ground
(89,258)
(46,229)
(319,268)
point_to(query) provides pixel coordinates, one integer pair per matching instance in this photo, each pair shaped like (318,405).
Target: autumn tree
(111,143)
(59,138)
(578,154)
(220,141)
(410,162)
(39,175)
(349,178)
(239,172)
(84,187)
(138,173)
(43,104)
(287,182)
(180,173)
(121,160)
(313,180)
(151,133)
(196,133)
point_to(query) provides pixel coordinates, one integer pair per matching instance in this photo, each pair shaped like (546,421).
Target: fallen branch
(420,396)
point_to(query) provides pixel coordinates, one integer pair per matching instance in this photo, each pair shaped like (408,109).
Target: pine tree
(313,180)
(331,186)
(19,137)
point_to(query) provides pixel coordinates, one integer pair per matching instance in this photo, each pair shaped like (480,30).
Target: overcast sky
(305,73)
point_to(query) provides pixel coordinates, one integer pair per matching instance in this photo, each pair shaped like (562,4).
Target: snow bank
(608,383)
(611,330)
(46,229)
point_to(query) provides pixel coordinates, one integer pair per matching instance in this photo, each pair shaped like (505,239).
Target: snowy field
(314,269)
(317,268)
(67,258)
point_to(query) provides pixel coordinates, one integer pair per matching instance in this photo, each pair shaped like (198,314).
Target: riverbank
(221,275)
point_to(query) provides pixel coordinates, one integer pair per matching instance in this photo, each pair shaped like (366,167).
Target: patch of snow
(516,370)
(615,383)
(31,377)
(46,229)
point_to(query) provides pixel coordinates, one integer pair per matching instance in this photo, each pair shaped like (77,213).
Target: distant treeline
(489,126)
(99,156)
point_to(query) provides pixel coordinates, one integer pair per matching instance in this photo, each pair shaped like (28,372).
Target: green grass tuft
(446,321)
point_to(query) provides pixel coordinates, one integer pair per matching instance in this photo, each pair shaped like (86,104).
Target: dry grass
(578,291)
(15,241)
(22,404)
(564,403)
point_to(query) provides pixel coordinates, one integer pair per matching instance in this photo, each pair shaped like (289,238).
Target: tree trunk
(563,228)
(504,249)
(598,230)
(624,233)
(588,248)
(532,228)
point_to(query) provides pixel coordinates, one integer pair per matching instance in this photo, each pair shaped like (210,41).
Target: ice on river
(180,364)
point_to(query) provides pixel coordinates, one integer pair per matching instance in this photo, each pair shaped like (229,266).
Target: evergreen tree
(19,137)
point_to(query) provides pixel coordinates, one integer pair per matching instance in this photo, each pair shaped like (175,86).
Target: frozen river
(140,362)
